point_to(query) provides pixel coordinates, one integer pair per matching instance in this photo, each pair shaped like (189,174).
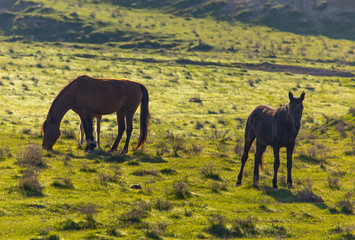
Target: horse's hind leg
(121,129)
(260,149)
(98,124)
(248,142)
(128,132)
(81,127)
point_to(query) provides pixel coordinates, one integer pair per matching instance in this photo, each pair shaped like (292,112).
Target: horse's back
(104,96)
(260,124)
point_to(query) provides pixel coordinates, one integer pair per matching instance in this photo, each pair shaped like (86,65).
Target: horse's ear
(302,96)
(290,95)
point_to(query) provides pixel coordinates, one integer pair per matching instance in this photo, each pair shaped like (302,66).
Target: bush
(144,172)
(307,195)
(218,226)
(137,213)
(64,183)
(208,172)
(30,156)
(162,205)
(244,227)
(4,153)
(333,183)
(29,184)
(69,225)
(346,206)
(114,178)
(180,190)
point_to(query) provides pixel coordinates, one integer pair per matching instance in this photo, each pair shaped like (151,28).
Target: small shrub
(244,227)
(333,183)
(238,149)
(180,190)
(154,231)
(68,225)
(68,134)
(218,226)
(208,172)
(4,153)
(216,186)
(162,205)
(30,156)
(88,210)
(114,178)
(346,206)
(87,169)
(168,171)
(63,183)
(275,230)
(29,184)
(314,154)
(196,149)
(177,143)
(307,195)
(143,172)
(48,237)
(351,110)
(137,213)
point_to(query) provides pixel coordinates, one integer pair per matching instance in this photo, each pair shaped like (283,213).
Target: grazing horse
(98,128)
(86,96)
(277,128)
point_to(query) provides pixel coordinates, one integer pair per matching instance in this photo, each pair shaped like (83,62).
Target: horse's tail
(145,116)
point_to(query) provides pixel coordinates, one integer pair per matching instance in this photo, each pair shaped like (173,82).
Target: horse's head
(51,133)
(295,110)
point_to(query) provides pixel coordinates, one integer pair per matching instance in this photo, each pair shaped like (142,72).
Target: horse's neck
(58,109)
(284,116)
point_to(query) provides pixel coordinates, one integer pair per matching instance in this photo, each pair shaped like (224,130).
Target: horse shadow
(287,196)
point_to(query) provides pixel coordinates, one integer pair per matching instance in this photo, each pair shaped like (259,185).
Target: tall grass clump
(4,153)
(29,184)
(180,190)
(209,172)
(307,195)
(30,156)
(139,211)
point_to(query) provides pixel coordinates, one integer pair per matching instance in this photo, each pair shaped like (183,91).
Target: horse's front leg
(276,165)
(260,149)
(87,124)
(289,164)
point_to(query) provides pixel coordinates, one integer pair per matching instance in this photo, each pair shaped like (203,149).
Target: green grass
(188,167)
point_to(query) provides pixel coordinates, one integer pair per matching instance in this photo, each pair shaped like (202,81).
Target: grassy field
(204,77)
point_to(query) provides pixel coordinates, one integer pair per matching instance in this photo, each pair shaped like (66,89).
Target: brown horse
(277,128)
(86,96)
(98,129)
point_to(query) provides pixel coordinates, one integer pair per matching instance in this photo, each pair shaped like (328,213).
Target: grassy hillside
(204,77)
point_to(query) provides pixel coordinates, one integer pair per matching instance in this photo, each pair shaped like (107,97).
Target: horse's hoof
(112,150)
(238,184)
(123,153)
(275,187)
(90,151)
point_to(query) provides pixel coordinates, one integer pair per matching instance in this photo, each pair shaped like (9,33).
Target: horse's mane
(281,113)
(61,92)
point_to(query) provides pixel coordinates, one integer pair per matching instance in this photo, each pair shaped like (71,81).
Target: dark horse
(88,96)
(277,128)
